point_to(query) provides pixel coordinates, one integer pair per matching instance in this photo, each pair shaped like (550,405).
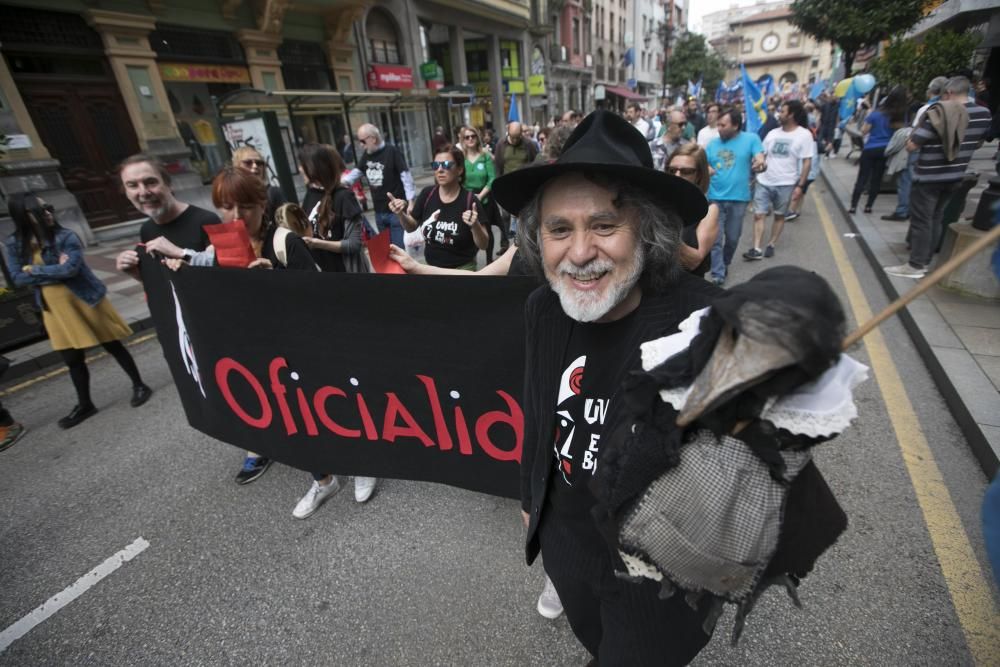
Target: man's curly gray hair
(659,228)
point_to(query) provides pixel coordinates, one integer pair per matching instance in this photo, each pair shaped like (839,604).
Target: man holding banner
(603,227)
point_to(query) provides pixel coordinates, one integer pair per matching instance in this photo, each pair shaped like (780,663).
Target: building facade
(571,56)
(83,87)
(767,43)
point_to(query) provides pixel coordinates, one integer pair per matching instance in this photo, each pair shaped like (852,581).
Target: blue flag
(754,103)
(629,57)
(817,89)
(848,102)
(695,89)
(766,85)
(721,92)
(513,115)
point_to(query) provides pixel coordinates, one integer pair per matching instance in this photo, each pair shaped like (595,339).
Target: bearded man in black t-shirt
(603,227)
(147,185)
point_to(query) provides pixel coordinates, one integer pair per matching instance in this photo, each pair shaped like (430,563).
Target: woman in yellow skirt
(77,314)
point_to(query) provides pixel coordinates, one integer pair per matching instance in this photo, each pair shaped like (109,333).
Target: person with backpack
(333,211)
(448,214)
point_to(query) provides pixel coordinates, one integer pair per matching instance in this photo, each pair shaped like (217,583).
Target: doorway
(86,128)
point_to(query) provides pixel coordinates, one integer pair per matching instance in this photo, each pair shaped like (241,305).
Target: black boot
(140,394)
(77,415)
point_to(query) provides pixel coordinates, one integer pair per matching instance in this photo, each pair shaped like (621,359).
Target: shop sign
(391,77)
(204,73)
(429,70)
(514,86)
(536,84)
(482,90)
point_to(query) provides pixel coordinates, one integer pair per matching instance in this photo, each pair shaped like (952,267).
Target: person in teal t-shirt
(734,156)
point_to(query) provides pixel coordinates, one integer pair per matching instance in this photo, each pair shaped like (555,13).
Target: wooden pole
(924,285)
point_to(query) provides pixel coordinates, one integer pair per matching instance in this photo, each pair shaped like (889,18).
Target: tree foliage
(852,24)
(692,59)
(913,64)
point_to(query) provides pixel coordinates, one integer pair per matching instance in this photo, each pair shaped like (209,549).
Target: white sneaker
(905,271)
(549,604)
(316,496)
(364,487)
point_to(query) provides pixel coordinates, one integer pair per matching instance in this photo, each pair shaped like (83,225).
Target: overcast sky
(698,8)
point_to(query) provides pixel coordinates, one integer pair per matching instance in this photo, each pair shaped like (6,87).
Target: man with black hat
(603,227)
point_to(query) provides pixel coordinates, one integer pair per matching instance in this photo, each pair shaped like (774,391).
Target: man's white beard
(587,306)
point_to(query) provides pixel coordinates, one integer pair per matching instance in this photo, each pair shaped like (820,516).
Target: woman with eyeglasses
(249,159)
(479,174)
(690,163)
(75,309)
(448,214)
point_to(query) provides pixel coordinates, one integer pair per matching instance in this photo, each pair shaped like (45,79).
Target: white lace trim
(655,352)
(639,568)
(821,408)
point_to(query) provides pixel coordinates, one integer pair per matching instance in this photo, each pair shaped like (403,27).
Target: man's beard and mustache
(155,207)
(591,306)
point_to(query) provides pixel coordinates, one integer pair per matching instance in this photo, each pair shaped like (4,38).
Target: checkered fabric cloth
(712,522)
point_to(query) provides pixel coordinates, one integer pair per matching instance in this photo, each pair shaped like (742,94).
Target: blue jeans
(730,229)
(389,221)
(903,186)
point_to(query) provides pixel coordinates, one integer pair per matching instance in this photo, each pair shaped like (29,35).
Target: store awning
(323,102)
(625,92)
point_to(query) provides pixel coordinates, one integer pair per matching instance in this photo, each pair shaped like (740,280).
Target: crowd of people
(639,213)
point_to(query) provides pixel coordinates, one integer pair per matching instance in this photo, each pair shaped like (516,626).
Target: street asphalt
(424,574)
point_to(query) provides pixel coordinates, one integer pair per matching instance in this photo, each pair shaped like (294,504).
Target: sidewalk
(958,336)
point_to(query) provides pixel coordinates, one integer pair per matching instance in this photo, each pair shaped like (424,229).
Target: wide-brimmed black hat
(605,142)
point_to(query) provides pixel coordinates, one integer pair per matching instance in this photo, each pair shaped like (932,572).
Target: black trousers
(617,621)
(871,168)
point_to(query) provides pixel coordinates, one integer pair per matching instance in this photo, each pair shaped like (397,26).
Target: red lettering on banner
(319,402)
(390,431)
(279,393)
(222,370)
(397,419)
(443,436)
(515,419)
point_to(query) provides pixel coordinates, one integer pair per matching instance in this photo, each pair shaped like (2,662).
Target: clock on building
(770,42)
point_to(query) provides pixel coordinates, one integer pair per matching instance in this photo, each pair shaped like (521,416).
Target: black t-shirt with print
(382,169)
(593,370)
(185,231)
(343,208)
(449,240)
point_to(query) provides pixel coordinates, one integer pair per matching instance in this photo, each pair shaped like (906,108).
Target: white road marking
(63,598)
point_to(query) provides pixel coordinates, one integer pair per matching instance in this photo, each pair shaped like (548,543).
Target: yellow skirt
(71,323)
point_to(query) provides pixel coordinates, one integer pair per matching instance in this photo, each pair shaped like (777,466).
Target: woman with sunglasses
(479,174)
(690,163)
(448,214)
(249,159)
(75,309)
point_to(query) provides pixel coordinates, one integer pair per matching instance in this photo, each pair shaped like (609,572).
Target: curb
(46,361)
(978,443)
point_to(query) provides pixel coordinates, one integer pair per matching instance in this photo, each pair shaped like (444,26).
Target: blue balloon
(864,82)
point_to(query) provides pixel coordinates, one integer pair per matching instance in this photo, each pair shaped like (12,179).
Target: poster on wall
(262,132)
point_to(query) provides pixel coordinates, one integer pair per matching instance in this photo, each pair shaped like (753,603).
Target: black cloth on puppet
(719,517)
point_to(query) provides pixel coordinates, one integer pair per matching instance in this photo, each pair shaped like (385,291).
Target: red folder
(378,252)
(232,244)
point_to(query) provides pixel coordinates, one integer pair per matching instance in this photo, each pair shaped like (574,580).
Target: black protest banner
(410,377)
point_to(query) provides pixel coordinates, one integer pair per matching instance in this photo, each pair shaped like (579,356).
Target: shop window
(476,60)
(383,40)
(174,43)
(23,25)
(510,59)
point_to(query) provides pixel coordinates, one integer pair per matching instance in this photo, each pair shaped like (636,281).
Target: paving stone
(979,340)
(964,313)
(991,366)
(973,386)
